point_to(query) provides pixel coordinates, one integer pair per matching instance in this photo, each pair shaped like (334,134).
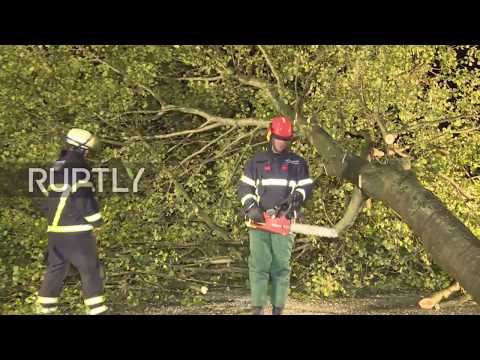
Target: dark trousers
(80,250)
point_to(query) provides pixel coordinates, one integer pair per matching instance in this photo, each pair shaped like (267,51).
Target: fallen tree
(451,244)
(196,113)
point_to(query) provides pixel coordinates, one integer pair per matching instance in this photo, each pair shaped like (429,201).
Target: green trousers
(269,259)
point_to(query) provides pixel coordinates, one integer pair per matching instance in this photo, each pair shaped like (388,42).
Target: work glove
(297,200)
(290,214)
(255,214)
(291,205)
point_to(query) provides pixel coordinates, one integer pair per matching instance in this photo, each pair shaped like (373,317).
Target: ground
(237,303)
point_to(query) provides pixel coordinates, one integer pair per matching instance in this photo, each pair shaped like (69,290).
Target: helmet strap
(86,142)
(81,145)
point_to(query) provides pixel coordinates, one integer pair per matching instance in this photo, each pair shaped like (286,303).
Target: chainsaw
(279,224)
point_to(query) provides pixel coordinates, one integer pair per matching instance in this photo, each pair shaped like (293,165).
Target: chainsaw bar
(283,226)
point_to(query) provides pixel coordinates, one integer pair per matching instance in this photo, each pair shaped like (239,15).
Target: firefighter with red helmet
(274,179)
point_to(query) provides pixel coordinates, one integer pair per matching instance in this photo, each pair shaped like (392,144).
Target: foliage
(427,95)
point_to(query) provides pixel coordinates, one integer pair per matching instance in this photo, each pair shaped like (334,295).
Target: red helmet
(281,128)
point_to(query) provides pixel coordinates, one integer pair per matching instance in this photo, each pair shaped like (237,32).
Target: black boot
(277,310)
(257,310)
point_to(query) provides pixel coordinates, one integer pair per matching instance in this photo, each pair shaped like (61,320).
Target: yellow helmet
(82,139)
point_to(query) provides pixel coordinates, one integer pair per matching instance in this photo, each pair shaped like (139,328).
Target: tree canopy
(194,114)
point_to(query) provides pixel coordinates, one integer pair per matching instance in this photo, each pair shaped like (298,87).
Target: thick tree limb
(451,244)
(214,121)
(354,208)
(358,199)
(432,301)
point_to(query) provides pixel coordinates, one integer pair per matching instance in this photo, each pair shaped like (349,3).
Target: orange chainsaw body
(278,225)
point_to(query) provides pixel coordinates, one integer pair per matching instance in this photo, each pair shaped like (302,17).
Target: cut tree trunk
(432,301)
(450,243)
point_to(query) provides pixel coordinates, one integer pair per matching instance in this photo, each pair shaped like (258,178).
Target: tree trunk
(450,243)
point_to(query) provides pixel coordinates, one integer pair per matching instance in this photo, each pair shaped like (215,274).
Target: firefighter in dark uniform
(275,178)
(72,212)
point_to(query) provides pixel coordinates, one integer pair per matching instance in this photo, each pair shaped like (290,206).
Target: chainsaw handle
(281,212)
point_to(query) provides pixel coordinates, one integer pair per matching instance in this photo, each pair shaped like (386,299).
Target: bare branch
(446,134)
(213,118)
(205,217)
(318,60)
(194,78)
(368,112)
(456,186)
(224,152)
(139,112)
(278,102)
(252,81)
(103,120)
(215,122)
(207,146)
(435,122)
(147,89)
(202,215)
(178,143)
(241,137)
(178,133)
(272,68)
(112,142)
(155,96)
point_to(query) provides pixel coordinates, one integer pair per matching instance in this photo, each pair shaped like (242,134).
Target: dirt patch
(392,304)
